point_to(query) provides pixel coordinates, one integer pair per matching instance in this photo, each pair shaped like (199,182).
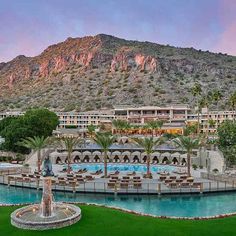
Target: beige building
(175,117)
(82,120)
(211,119)
(141,115)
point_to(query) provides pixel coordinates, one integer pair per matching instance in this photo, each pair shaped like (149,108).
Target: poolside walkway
(124,184)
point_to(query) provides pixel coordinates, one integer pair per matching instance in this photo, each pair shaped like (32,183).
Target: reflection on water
(172,205)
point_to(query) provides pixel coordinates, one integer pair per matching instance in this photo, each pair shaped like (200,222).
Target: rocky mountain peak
(114,70)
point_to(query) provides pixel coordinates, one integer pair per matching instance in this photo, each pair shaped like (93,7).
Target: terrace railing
(101,186)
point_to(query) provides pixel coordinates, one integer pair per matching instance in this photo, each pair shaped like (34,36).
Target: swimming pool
(91,167)
(180,206)
(8,165)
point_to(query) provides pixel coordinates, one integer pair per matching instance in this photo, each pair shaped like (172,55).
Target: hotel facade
(175,117)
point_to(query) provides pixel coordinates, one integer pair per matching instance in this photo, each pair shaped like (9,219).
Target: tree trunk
(39,160)
(208,126)
(105,164)
(148,166)
(68,163)
(189,164)
(198,120)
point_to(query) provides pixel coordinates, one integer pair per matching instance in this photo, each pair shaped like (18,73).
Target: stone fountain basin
(29,217)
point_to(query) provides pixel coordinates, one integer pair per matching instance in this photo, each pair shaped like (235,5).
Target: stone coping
(54,224)
(144,214)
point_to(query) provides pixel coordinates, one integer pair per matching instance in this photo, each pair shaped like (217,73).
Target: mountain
(103,71)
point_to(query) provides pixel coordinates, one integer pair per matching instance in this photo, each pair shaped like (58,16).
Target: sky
(27,27)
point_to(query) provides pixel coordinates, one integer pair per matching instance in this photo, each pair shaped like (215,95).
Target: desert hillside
(102,71)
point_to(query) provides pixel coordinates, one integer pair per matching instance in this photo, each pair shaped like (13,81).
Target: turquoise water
(181,205)
(122,167)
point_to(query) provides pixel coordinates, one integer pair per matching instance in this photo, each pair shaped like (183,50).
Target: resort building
(10,114)
(141,115)
(82,120)
(210,120)
(175,118)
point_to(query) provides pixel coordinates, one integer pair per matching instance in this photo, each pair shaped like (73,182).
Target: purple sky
(29,26)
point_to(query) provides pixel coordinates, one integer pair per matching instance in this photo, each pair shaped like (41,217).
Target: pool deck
(100,185)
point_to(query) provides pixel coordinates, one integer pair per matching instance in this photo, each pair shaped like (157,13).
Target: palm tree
(188,144)
(216,97)
(205,102)
(196,92)
(121,125)
(232,101)
(36,144)
(148,144)
(69,143)
(91,130)
(104,140)
(154,125)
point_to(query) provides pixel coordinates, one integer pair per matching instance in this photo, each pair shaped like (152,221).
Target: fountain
(48,214)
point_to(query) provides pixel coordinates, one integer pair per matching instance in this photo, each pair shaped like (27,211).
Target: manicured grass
(103,221)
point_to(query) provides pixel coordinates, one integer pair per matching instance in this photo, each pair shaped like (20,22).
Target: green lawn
(103,221)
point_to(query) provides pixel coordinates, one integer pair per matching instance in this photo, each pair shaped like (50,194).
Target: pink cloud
(226,42)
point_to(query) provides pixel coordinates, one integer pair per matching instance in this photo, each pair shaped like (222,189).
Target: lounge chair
(80,180)
(124,185)
(126,177)
(89,177)
(115,173)
(183,177)
(196,185)
(70,175)
(190,180)
(62,182)
(70,178)
(19,179)
(114,177)
(73,183)
(172,177)
(164,173)
(184,185)
(28,180)
(111,184)
(173,185)
(98,172)
(179,180)
(61,178)
(137,185)
(78,176)
(167,181)
(82,171)
(113,180)
(131,173)
(145,176)
(136,178)
(162,178)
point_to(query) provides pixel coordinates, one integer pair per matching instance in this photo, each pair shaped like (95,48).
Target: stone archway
(77,159)
(58,160)
(155,160)
(144,159)
(165,160)
(97,158)
(126,158)
(116,158)
(135,159)
(86,158)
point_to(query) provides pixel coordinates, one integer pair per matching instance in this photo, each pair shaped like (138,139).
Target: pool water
(8,165)
(92,167)
(172,205)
